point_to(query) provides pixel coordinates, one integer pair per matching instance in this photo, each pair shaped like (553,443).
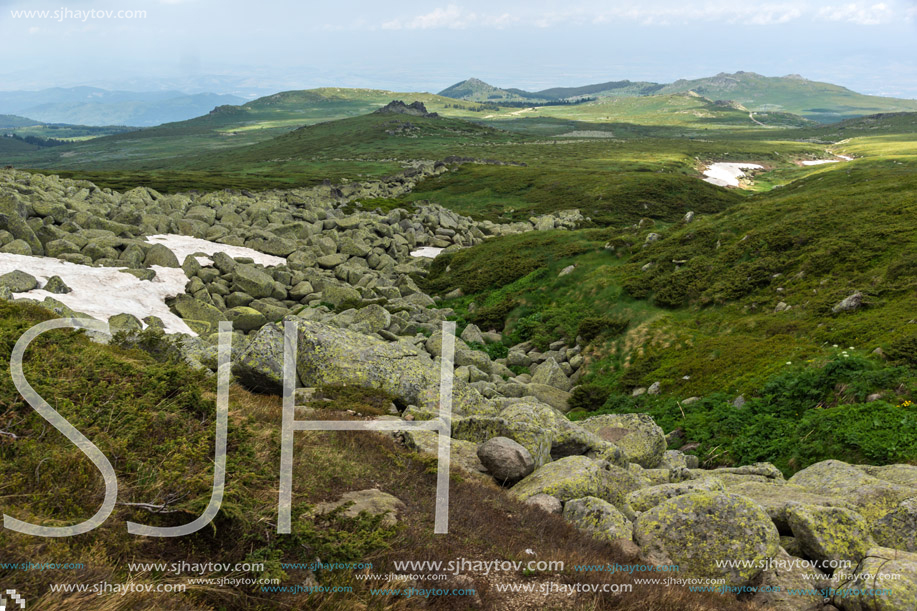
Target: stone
(18,281)
(598,518)
(829,533)
(647,498)
(574,477)
(505,459)
(774,498)
(881,569)
(252,281)
(337,295)
(259,367)
(789,584)
(373,317)
(697,531)
(245,318)
(124,322)
(849,304)
(472,335)
(638,435)
(550,373)
(553,396)
(373,501)
(203,318)
(161,256)
(546,503)
(57,286)
(898,528)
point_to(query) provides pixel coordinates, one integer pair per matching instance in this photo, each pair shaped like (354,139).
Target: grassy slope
(154,421)
(811,99)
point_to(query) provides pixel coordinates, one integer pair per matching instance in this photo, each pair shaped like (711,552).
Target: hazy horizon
(231,47)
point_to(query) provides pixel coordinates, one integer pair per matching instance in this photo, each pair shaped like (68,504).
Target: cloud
(450,17)
(875,14)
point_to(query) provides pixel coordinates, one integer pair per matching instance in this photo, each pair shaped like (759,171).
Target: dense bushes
(805,415)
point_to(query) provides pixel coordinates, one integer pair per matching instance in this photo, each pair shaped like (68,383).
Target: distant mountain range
(94,106)
(794,94)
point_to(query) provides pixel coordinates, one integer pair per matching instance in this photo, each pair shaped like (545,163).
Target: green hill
(822,102)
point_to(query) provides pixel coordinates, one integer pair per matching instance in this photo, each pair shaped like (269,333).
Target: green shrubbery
(805,415)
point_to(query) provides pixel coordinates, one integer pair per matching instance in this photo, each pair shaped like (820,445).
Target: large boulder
(647,498)
(574,477)
(252,281)
(709,535)
(829,534)
(259,366)
(789,584)
(18,281)
(599,518)
(776,497)
(549,373)
(333,356)
(505,459)
(898,528)
(872,497)
(892,571)
(161,256)
(638,435)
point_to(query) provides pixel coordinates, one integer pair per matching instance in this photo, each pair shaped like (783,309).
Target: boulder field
(346,280)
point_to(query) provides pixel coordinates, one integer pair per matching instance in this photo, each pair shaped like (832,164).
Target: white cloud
(875,14)
(450,17)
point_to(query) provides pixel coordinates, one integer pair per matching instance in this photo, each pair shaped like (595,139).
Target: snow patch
(428,252)
(183,245)
(839,159)
(724,174)
(103,292)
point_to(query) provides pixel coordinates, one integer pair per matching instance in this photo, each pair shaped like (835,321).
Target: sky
(253,48)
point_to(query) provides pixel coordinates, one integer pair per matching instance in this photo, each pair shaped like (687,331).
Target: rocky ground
(349,284)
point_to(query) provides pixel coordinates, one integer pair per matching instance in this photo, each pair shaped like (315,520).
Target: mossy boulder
(872,497)
(598,518)
(898,528)
(829,533)
(252,281)
(373,318)
(161,256)
(700,531)
(776,497)
(569,478)
(647,498)
(337,294)
(638,435)
(57,286)
(245,318)
(18,281)
(124,323)
(259,366)
(885,569)
(203,318)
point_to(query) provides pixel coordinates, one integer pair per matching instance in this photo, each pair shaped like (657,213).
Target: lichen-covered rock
(373,318)
(553,396)
(203,318)
(898,528)
(699,530)
(124,322)
(647,498)
(259,366)
(463,453)
(903,475)
(245,318)
(775,497)
(789,584)
(599,518)
(57,286)
(829,533)
(569,478)
(18,281)
(638,435)
(161,256)
(373,502)
(872,497)
(890,570)
(549,373)
(252,281)
(505,459)
(329,355)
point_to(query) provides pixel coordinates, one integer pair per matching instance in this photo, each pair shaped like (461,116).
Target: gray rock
(161,256)
(546,503)
(252,281)
(56,285)
(850,303)
(550,373)
(638,435)
(505,459)
(374,502)
(18,281)
(598,518)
